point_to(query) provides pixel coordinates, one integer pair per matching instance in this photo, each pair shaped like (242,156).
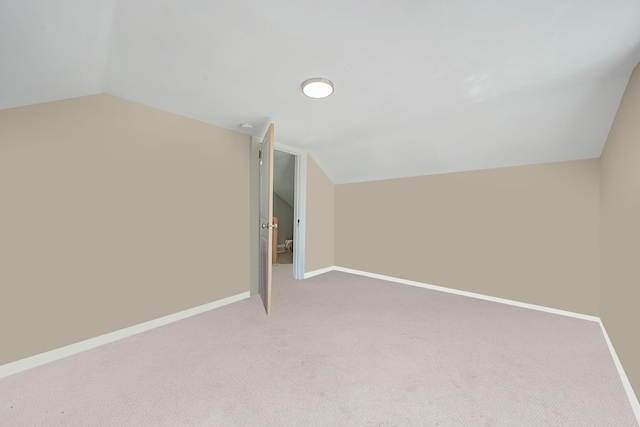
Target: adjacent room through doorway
(283,203)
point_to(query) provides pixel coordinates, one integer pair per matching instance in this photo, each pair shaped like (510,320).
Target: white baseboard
(452,291)
(469,294)
(633,400)
(58,353)
(318,272)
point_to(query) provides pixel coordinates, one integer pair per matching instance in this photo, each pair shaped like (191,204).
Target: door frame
(300,195)
(299,208)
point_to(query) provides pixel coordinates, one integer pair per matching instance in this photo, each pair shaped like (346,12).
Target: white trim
(318,272)
(623,376)
(299,208)
(470,294)
(69,350)
(300,230)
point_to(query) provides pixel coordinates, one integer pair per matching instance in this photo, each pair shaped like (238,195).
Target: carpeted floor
(338,350)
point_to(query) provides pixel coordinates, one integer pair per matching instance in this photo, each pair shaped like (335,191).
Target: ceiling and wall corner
(420,87)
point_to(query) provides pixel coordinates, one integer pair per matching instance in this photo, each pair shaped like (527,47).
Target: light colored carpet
(338,350)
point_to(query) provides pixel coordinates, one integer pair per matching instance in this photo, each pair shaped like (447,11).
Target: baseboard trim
(71,349)
(633,399)
(469,294)
(318,272)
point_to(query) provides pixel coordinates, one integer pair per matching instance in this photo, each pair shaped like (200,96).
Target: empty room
(303,213)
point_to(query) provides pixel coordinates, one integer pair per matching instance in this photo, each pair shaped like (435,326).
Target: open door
(266,217)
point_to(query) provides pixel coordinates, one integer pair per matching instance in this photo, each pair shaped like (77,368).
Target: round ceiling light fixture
(317,88)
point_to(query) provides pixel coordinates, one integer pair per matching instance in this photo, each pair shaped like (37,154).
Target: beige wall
(620,232)
(320,219)
(527,233)
(113,214)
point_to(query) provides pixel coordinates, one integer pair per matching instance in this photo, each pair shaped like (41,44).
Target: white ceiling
(51,50)
(422,87)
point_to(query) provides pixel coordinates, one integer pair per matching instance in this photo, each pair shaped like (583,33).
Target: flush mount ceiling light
(317,87)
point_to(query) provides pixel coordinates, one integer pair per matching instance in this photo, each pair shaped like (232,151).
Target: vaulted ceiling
(422,86)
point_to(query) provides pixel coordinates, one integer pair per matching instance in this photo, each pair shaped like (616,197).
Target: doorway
(299,210)
(283,203)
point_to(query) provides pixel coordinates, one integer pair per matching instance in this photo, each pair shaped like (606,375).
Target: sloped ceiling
(51,50)
(422,87)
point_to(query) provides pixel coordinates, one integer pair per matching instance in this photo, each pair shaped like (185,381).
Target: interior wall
(620,232)
(284,212)
(527,233)
(114,213)
(254,221)
(319,219)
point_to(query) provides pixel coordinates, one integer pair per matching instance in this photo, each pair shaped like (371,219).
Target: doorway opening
(299,212)
(283,207)
(292,163)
